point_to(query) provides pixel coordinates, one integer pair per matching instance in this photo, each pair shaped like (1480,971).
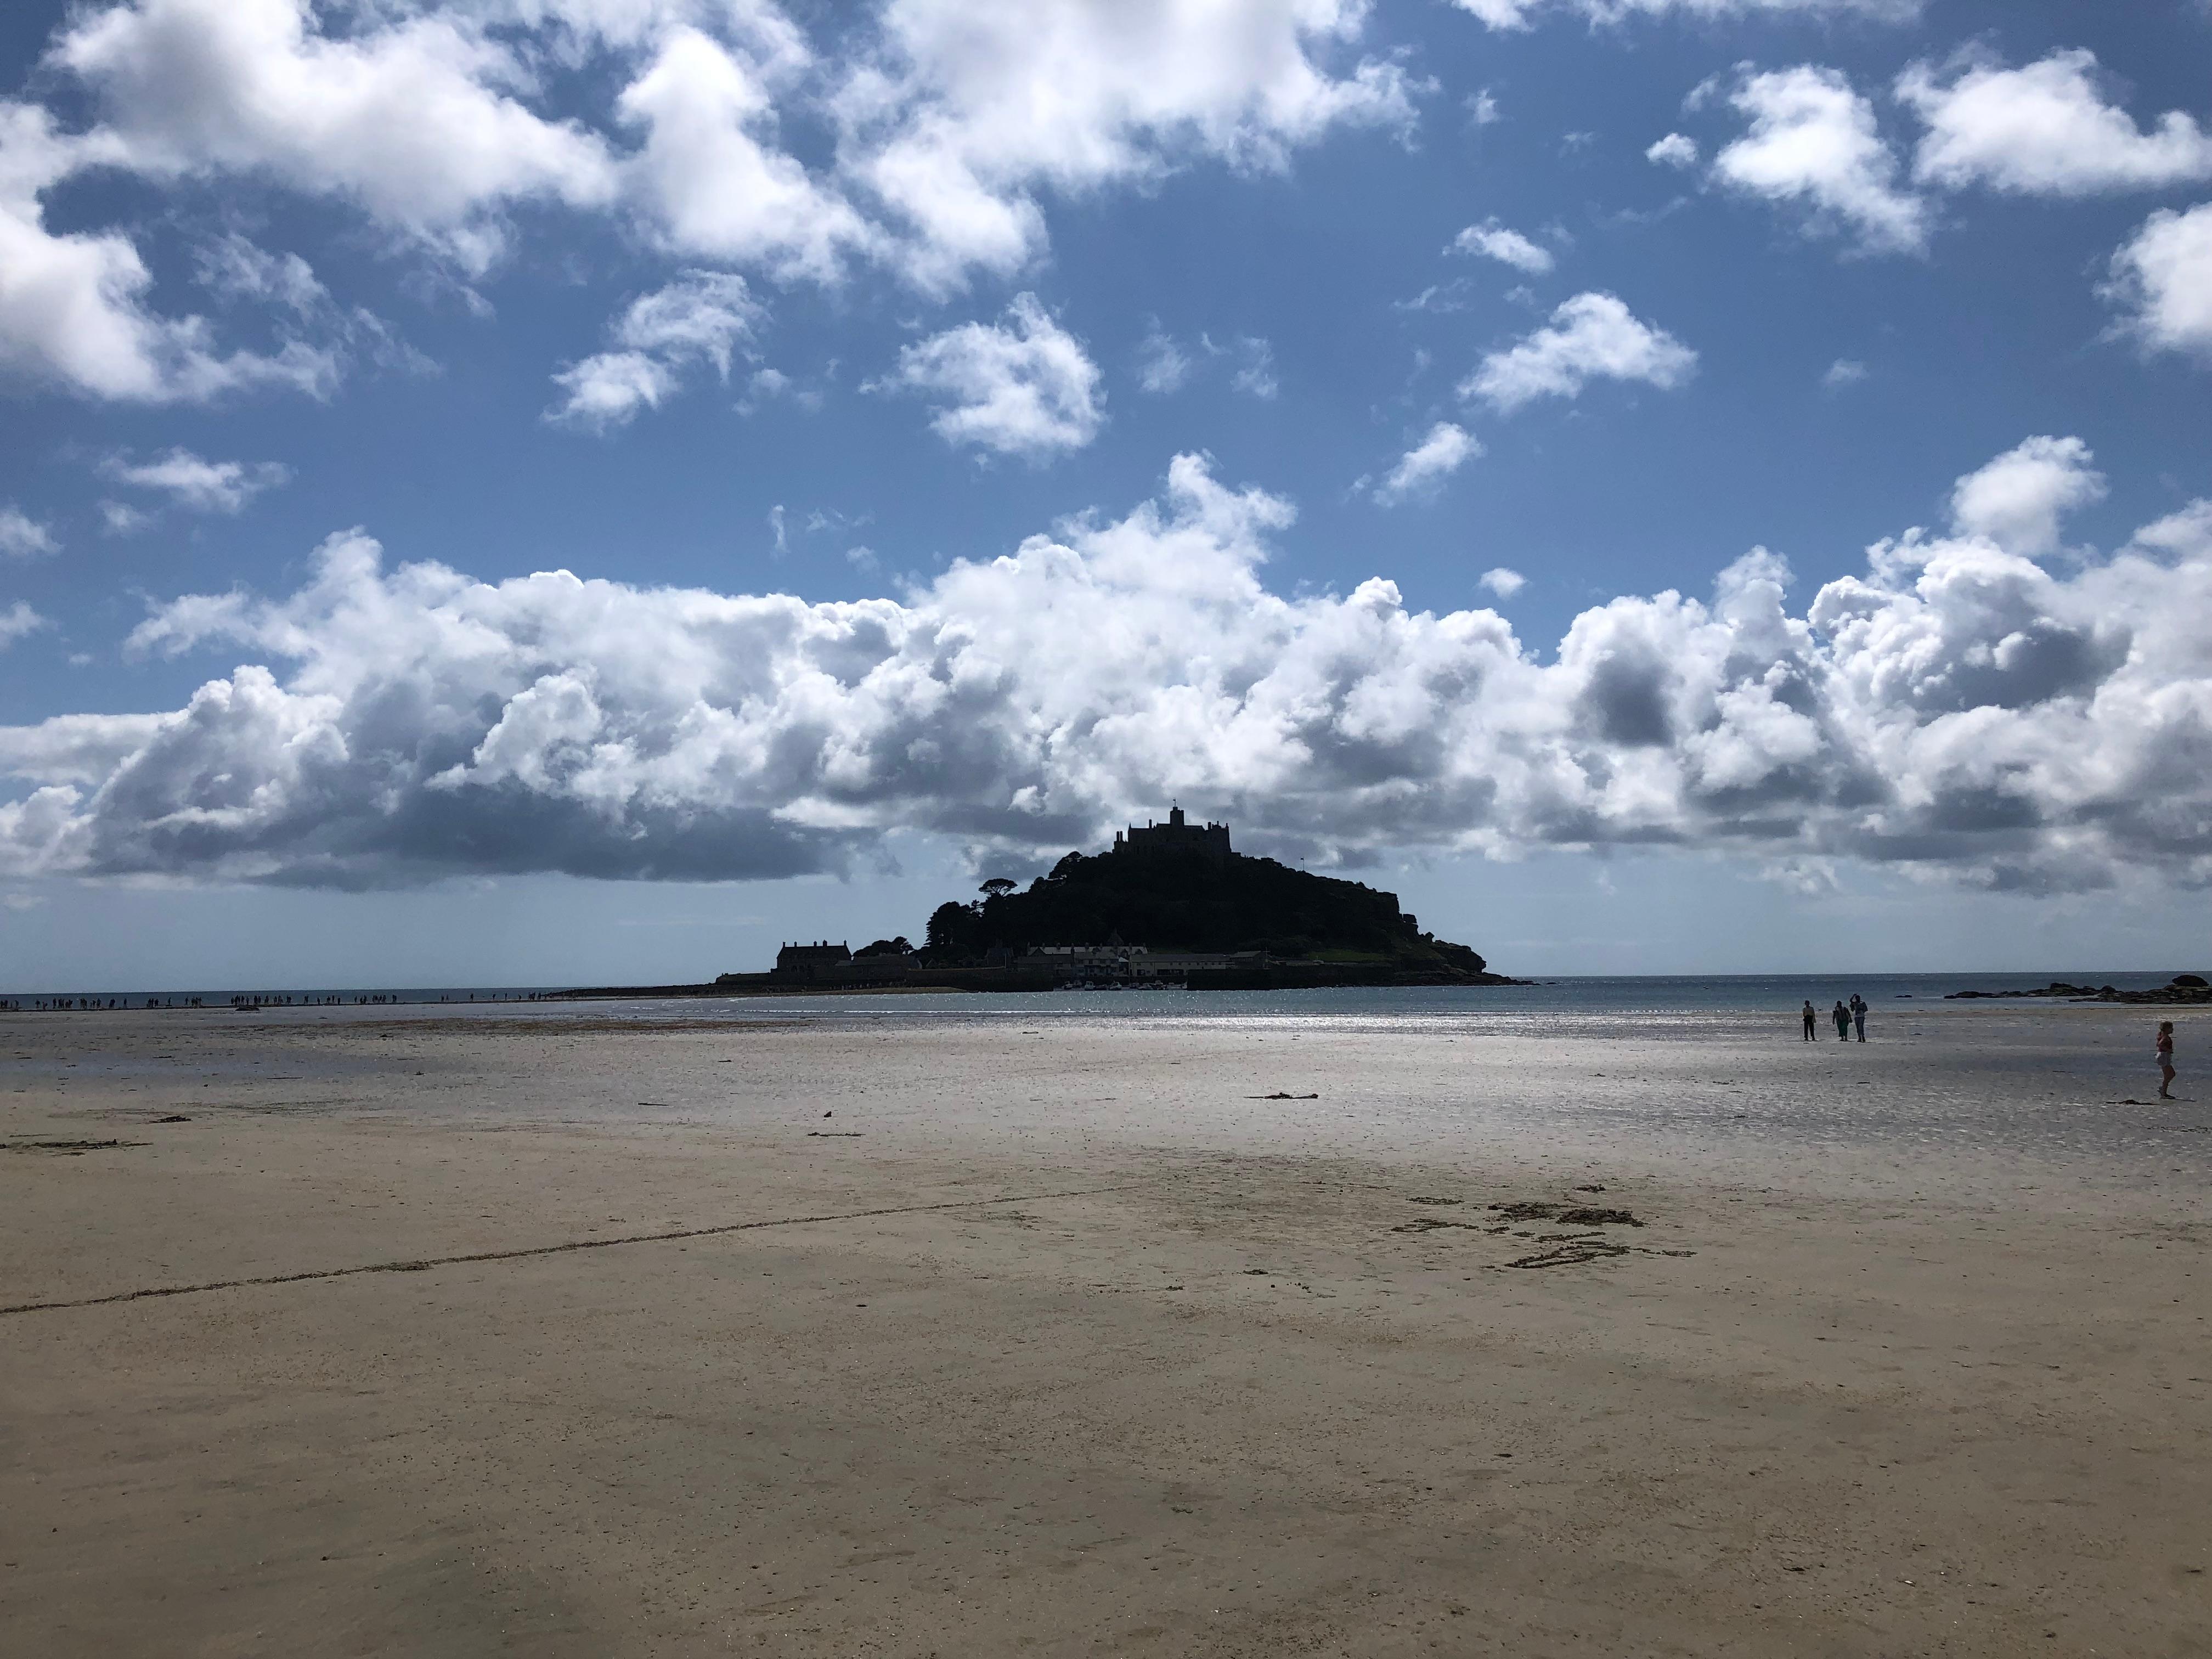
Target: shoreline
(1785,987)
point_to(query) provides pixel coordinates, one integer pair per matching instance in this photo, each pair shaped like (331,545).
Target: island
(1169,904)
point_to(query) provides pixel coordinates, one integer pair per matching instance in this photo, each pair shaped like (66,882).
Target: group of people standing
(1846,1016)
(1852,1015)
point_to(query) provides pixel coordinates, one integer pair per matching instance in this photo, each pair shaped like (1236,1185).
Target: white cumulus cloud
(2045,129)
(1814,140)
(21,536)
(1445,449)
(420,117)
(1162,367)
(1025,386)
(1492,241)
(1590,337)
(18,620)
(448,125)
(703,314)
(965,114)
(1502,582)
(1676,150)
(121,519)
(2162,281)
(607,390)
(2020,499)
(1954,710)
(702,317)
(73,309)
(709,178)
(410,117)
(199,485)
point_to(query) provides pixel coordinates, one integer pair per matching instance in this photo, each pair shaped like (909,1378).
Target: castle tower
(1178,836)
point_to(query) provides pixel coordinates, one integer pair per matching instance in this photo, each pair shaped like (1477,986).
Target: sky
(542,491)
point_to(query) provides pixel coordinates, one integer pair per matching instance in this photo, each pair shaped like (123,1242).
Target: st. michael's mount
(1170,903)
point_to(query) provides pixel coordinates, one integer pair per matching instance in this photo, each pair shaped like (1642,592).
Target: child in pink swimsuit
(2165,1060)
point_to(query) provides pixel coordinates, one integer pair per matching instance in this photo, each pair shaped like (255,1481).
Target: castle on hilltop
(1175,838)
(1173,902)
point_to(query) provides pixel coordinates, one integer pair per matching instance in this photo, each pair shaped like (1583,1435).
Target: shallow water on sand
(1711,1070)
(1606,1000)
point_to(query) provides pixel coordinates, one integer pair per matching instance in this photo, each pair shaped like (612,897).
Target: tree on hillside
(952,927)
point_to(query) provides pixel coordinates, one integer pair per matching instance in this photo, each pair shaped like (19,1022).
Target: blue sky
(1546,314)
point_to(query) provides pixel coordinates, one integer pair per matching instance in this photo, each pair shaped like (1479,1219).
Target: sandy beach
(604,1334)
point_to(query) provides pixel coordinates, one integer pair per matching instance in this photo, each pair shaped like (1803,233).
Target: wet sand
(601,1336)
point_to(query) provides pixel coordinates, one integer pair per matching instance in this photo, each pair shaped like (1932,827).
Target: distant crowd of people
(57,1004)
(1846,1016)
(254,1001)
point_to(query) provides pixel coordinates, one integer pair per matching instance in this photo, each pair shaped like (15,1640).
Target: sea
(1584,1000)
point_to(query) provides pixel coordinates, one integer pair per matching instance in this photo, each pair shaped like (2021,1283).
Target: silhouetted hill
(1175,901)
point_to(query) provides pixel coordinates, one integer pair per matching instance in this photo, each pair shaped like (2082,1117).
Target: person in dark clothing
(1859,1014)
(1842,1019)
(1812,1023)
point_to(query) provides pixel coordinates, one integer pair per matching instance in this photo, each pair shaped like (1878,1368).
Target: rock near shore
(2185,990)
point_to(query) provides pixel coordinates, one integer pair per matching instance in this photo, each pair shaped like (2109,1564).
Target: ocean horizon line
(278,995)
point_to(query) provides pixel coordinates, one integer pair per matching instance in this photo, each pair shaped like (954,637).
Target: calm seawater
(1627,998)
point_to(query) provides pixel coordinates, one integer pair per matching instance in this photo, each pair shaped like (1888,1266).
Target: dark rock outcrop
(2183,991)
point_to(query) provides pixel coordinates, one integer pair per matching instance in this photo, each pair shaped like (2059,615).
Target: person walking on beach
(2165,1060)
(1812,1023)
(1842,1019)
(1859,1014)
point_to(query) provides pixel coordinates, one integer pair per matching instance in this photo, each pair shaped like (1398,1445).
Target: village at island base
(1169,904)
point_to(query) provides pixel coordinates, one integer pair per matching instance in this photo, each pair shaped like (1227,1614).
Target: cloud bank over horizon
(1957,709)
